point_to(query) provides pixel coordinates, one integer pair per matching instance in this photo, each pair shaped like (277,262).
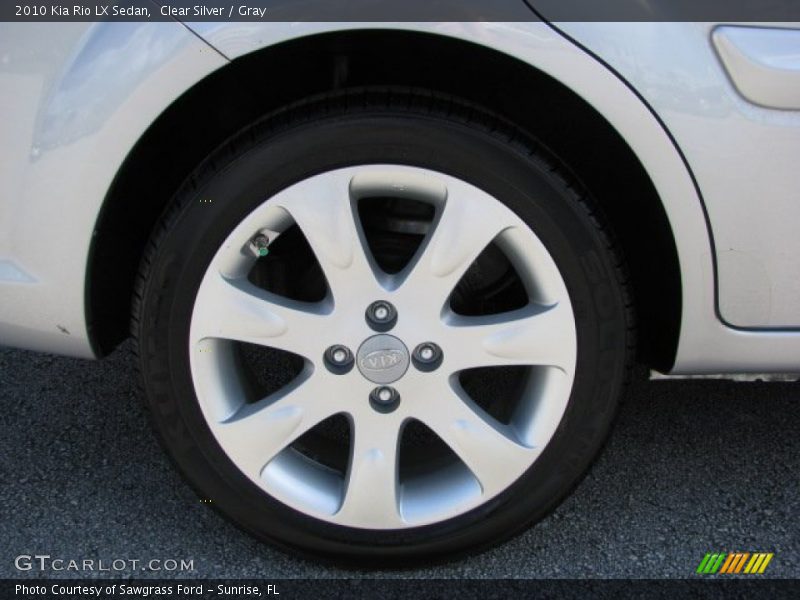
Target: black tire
(381,126)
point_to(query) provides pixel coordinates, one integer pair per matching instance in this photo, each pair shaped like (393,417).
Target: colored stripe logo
(734,563)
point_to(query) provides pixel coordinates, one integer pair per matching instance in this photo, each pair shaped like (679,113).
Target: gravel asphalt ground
(691,467)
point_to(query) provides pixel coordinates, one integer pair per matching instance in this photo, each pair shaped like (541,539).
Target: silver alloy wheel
(258,436)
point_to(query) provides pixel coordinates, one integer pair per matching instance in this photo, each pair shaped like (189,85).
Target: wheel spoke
(256,433)
(530,336)
(486,448)
(371,493)
(240,311)
(325,213)
(461,232)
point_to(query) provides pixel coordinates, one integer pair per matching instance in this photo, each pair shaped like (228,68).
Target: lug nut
(384,399)
(427,356)
(339,359)
(381,316)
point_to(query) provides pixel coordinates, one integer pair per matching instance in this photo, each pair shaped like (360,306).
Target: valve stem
(260,245)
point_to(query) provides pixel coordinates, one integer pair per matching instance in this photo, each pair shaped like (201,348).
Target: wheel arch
(242,91)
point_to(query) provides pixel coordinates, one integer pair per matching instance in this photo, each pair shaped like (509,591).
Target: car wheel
(382,326)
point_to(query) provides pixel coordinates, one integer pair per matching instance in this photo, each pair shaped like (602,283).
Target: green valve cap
(259,245)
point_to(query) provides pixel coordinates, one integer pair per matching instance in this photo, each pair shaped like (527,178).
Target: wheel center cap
(383,359)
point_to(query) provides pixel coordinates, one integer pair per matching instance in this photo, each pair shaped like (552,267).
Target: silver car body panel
(75,115)
(60,158)
(744,156)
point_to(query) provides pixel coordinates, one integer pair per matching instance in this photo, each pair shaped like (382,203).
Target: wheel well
(250,86)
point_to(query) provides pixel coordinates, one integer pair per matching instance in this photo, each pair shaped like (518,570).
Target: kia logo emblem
(381,360)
